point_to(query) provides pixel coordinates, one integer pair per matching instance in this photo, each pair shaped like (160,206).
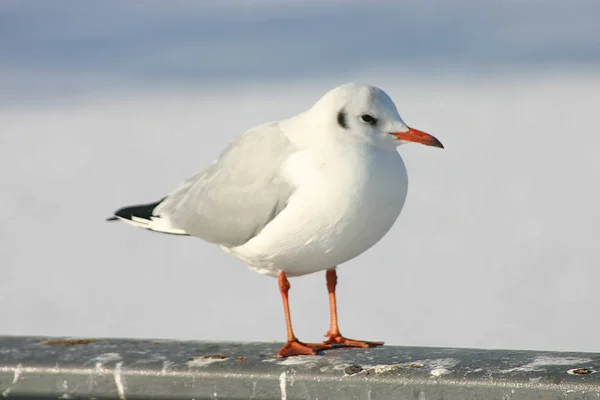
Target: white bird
(297,196)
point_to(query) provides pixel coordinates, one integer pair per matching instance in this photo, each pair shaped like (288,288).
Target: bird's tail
(142,216)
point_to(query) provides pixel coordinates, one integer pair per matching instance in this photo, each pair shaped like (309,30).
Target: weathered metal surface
(158,369)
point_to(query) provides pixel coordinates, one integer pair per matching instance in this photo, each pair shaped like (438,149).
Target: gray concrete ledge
(43,368)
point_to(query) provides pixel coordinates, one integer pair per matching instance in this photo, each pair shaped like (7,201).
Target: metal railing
(41,368)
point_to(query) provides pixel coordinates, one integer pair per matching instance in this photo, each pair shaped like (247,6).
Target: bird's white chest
(346,199)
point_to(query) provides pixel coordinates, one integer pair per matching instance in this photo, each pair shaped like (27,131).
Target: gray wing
(238,195)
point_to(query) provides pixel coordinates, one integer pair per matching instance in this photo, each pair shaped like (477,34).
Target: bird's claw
(340,341)
(298,348)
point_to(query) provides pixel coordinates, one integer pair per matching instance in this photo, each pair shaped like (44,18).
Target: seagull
(300,195)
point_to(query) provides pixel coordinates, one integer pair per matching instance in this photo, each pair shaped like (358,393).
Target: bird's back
(233,199)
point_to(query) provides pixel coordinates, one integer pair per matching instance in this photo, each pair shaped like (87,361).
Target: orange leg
(334,337)
(294,347)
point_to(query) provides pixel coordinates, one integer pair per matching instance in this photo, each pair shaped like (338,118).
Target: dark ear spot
(341,119)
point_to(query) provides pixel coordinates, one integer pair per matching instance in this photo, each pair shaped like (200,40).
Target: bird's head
(367,112)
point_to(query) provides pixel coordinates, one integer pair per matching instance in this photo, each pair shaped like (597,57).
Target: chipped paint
(580,371)
(300,360)
(282,385)
(117,373)
(65,389)
(540,362)
(353,370)
(447,363)
(17,371)
(203,361)
(107,357)
(437,366)
(165,367)
(103,358)
(340,367)
(382,368)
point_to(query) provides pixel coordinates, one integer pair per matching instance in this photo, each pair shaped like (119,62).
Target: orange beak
(417,136)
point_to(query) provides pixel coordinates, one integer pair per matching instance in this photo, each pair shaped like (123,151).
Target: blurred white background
(109,104)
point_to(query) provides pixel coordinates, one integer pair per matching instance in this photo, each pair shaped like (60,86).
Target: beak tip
(414,135)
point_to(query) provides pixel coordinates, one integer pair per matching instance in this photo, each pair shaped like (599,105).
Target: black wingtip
(143,211)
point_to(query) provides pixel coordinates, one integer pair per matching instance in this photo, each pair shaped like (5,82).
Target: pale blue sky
(74,46)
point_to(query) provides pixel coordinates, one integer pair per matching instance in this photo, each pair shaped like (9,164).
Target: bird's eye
(369,119)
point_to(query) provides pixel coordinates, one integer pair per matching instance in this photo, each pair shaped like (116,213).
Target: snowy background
(105,104)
